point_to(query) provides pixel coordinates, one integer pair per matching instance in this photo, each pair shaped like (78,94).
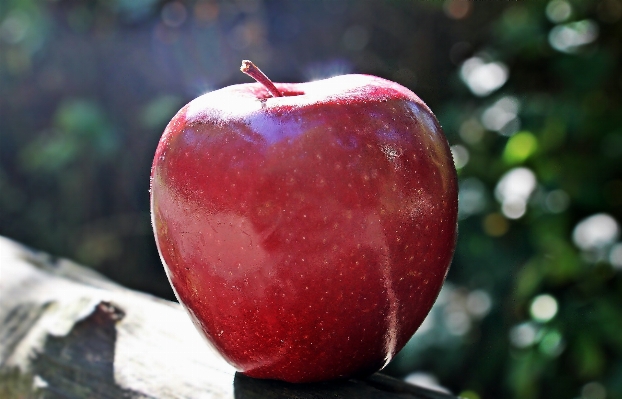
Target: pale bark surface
(67,332)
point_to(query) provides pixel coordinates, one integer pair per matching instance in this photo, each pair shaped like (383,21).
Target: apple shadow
(377,386)
(81,363)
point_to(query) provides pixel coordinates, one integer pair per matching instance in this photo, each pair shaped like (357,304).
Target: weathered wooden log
(68,332)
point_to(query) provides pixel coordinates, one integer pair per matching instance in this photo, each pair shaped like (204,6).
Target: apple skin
(307,235)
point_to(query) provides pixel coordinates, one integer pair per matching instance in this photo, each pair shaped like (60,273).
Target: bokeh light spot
(206,11)
(495,225)
(427,325)
(457,9)
(471,131)
(482,77)
(558,11)
(552,343)
(523,335)
(460,155)
(595,232)
(468,394)
(514,189)
(615,256)
(543,308)
(471,197)
(557,201)
(593,390)
(514,209)
(502,116)
(520,147)
(478,303)
(568,38)
(457,322)
(174,14)
(14,27)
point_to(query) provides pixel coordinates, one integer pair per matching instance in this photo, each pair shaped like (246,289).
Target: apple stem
(251,70)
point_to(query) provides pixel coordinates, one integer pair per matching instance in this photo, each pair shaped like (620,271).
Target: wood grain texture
(67,332)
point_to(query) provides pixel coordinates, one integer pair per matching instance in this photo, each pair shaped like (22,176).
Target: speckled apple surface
(307,235)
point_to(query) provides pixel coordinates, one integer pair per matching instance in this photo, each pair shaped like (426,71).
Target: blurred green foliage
(529,94)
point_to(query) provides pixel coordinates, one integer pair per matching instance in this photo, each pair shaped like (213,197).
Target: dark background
(529,95)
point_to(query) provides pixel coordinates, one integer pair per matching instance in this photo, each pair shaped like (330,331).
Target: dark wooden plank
(67,332)
(377,386)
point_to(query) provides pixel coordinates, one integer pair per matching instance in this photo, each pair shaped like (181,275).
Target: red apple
(307,234)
